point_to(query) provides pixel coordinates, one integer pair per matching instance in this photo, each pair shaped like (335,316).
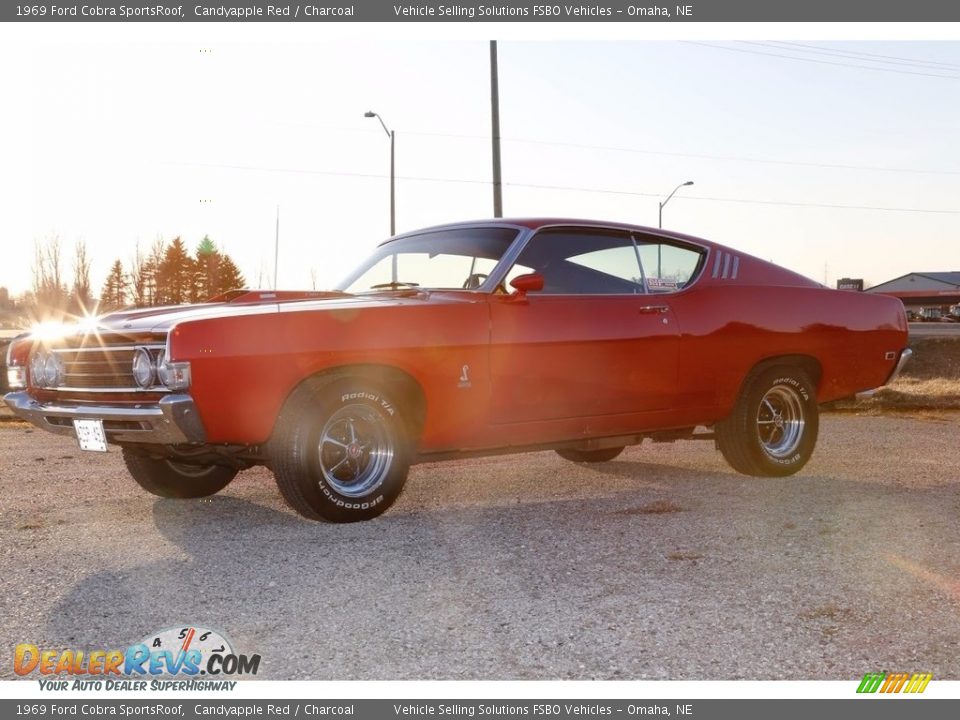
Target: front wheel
(339,451)
(590,456)
(171,479)
(773,427)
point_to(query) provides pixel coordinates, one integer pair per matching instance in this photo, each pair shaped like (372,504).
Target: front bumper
(173,420)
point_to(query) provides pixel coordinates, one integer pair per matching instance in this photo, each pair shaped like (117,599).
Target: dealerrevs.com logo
(180,658)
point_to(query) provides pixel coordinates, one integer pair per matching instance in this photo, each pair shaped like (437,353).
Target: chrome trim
(509,258)
(905,356)
(512,254)
(107,348)
(132,390)
(173,420)
(151,348)
(525,233)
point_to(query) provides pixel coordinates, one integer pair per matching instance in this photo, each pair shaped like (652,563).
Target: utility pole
(495,120)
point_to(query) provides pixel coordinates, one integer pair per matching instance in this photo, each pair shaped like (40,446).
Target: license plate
(90,435)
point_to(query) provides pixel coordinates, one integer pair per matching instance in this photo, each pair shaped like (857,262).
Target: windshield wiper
(394,285)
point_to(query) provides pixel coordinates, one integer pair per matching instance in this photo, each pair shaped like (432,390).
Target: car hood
(161,319)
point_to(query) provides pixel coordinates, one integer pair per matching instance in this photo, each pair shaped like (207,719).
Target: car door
(593,343)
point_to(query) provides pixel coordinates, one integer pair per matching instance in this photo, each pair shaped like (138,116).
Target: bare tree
(49,292)
(138,278)
(81,298)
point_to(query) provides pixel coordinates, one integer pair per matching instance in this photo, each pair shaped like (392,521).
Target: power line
(822,62)
(775,45)
(933,64)
(698,156)
(569,188)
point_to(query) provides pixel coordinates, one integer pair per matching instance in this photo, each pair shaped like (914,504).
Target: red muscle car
(466,339)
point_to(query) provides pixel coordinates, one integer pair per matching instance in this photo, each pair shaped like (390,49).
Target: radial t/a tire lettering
(773,427)
(171,479)
(339,450)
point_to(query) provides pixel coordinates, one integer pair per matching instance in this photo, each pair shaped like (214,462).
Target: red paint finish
(500,370)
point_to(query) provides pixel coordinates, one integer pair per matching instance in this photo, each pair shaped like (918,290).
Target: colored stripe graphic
(870,683)
(918,683)
(894,682)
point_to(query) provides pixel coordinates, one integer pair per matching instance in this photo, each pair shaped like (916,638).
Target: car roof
(537,223)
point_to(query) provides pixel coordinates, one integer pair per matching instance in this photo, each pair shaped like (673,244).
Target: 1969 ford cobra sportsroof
(466,339)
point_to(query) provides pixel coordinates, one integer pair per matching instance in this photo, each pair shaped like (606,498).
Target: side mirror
(531,282)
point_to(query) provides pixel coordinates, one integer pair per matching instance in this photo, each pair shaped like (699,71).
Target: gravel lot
(663,564)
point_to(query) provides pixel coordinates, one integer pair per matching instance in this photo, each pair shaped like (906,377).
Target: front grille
(103,363)
(89,369)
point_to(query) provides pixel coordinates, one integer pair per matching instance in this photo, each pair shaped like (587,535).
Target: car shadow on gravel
(637,580)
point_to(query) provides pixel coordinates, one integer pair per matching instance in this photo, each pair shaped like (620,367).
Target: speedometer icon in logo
(197,643)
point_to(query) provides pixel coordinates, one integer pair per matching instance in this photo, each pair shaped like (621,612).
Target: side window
(584,262)
(668,268)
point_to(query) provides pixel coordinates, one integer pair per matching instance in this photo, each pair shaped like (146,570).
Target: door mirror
(531,282)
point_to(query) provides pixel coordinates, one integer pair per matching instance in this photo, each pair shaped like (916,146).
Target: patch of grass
(930,381)
(685,556)
(830,611)
(658,507)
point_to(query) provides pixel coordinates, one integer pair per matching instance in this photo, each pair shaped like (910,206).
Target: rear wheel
(171,479)
(340,452)
(773,427)
(590,456)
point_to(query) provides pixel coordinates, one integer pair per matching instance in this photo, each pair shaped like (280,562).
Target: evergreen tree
(175,275)
(114,292)
(207,270)
(230,276)
(215,272)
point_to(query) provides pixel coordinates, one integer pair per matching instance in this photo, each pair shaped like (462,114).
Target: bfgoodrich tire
(172,479)
(590,456)
(340,451)
(773,427)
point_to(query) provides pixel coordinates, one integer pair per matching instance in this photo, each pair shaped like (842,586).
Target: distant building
(923,289)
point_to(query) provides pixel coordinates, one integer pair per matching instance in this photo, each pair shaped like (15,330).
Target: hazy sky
(118,142)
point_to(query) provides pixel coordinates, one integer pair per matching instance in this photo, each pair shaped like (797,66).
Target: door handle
(654,309)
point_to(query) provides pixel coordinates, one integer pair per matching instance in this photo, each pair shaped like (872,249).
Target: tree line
(166,274)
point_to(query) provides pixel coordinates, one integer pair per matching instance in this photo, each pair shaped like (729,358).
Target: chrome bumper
(171,421)
(905,356)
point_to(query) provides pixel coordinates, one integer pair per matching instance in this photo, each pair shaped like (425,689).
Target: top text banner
(509,11)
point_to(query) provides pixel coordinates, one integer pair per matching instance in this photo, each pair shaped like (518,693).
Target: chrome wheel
(356,450)
(780,421)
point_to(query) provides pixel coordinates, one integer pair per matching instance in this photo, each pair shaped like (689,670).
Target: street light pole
(660,225)
(660,221)
(393,180)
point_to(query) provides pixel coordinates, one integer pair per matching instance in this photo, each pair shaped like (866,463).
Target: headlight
(53,370)
(175,376)
(37,363)
(143,371)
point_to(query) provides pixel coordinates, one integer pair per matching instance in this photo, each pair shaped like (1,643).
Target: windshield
(461,258)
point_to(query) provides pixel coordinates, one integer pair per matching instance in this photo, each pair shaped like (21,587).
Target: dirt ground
(662,564)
